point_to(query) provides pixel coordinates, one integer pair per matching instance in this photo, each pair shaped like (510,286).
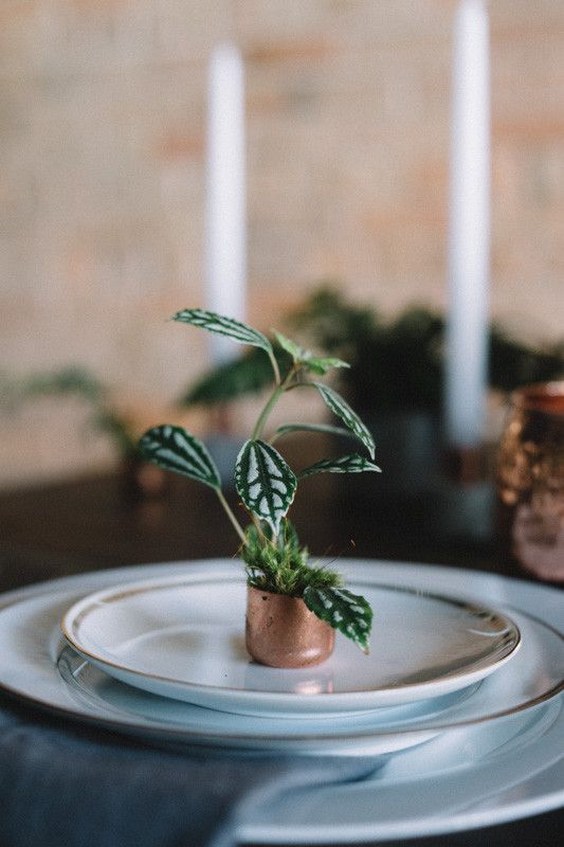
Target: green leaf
(296,352)
(265,482)
(341,408)
(353,463)
(174,449)
(249,374)
(349,613)
(229,327)
(321,364)
(316,364)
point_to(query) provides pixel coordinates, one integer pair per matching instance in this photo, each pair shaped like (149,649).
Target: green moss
(280,565)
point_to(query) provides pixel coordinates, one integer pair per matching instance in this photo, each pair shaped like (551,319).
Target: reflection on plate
(364,733)
(183,638)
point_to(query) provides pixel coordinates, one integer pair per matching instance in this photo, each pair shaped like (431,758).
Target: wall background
(102,117)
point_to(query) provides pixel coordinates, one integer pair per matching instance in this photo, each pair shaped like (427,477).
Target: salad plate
(183,638)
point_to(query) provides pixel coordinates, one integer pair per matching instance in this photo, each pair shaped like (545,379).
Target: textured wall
(102,118)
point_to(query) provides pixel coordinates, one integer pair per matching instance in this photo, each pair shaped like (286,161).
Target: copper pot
(530,479)
(281,631)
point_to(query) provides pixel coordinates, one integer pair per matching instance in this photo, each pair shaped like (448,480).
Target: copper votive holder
(530,479)
(282,632)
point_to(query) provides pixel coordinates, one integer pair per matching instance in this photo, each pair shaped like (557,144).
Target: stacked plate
(159,651)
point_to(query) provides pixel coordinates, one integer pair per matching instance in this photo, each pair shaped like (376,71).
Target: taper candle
(226,231)
(469,229)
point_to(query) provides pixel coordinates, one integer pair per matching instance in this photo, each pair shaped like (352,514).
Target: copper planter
(281,631)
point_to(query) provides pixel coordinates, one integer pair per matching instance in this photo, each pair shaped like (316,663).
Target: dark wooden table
(92,522)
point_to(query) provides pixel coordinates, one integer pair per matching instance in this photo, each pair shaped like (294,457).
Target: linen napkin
(64,784)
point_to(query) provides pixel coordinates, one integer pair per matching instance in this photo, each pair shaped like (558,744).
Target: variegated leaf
(221,325)
(174,449)
(341,408)
(353,463)
(349,613)
(265,482)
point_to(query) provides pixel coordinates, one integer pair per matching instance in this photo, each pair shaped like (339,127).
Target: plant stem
(275,367)
(228,511)
(268,407)
(280,389)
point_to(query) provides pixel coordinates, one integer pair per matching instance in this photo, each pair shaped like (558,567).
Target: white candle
(226,236)
(468,259)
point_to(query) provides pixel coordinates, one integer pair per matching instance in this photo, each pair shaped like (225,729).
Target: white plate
(462,780)
(499,758)
(165,718)
(184,638)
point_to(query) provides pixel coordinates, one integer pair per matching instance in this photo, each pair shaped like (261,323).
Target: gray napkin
(62,784)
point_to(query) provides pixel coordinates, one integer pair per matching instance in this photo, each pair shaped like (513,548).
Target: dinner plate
(516,688)
(183,637)
(35,664)
(462,780)
(497,757)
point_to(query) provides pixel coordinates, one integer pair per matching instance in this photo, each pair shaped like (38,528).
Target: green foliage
(228,327)
(393,365)
(78,382)
(354,463)
(512,363)
(270,548)
(70,380)
(319,365)
(399,364)
(265,482)
(343,411)
(250,374)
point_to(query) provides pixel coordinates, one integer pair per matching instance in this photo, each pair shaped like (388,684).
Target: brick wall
(102,117)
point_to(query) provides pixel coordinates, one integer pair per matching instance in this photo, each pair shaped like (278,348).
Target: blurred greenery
(72,381)
(395,364)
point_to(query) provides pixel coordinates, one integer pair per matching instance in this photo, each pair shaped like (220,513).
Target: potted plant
(294,607)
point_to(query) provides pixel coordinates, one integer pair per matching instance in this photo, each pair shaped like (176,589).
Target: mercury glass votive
(530,478)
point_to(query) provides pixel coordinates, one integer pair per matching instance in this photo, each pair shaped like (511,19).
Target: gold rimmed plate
(182,637)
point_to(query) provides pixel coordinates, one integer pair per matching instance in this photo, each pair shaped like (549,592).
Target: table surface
(93,523)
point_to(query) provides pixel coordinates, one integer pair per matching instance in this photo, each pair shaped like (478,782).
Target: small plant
(274,559)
